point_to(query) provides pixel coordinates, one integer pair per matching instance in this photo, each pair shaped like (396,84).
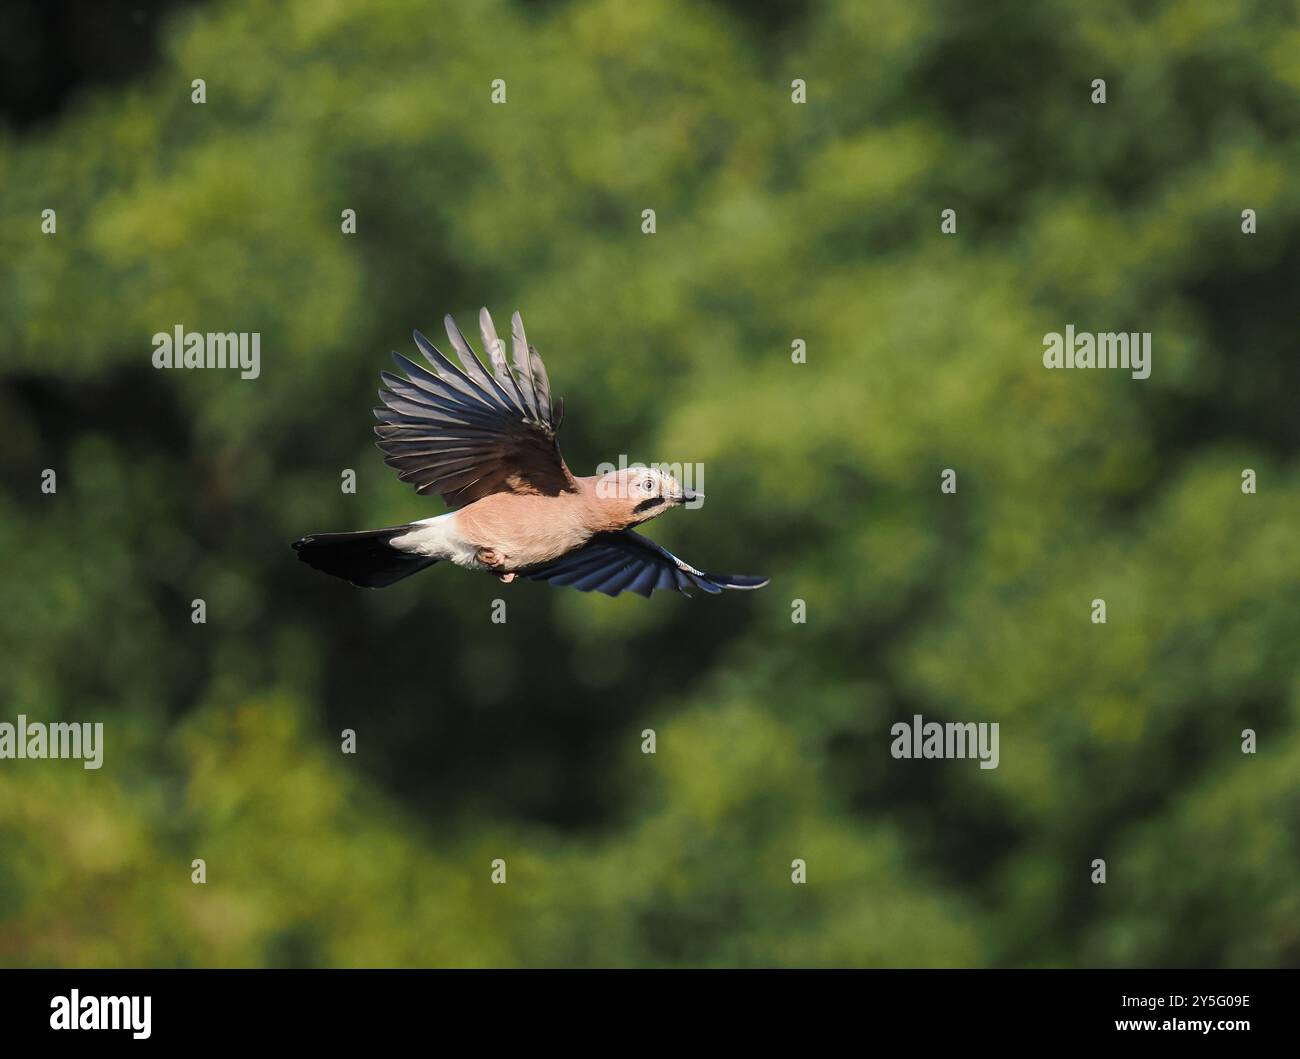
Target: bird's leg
(493,560)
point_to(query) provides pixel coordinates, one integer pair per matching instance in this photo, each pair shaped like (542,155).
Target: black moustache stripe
(646,505)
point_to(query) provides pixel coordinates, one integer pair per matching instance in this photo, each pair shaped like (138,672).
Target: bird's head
(633,495)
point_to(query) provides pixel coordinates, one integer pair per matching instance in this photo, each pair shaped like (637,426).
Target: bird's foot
(505,579)
(490,559)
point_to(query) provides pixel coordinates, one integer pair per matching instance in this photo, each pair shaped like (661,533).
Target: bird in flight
(483,438)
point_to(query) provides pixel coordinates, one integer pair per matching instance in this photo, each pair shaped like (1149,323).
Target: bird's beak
(691,498)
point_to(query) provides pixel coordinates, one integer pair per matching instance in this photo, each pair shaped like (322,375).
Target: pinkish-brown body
(507,532)
(524,530)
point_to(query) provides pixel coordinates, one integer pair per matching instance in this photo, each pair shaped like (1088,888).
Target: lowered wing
(625,561)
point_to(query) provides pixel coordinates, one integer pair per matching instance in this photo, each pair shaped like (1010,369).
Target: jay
(484,439)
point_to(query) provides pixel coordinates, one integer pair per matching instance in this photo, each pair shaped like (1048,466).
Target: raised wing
(625,561)
(468,434)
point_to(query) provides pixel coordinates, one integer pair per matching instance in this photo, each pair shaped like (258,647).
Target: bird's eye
(648,486)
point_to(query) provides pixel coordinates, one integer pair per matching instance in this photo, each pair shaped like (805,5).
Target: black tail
(364,558)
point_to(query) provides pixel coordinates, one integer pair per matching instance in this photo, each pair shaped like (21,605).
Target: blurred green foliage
(775,221)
